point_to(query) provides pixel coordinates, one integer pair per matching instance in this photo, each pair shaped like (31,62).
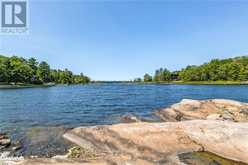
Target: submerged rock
(156,142)
(215,109)
(4,140)
(44,142)
(17,146)
(129,118)
(132,118)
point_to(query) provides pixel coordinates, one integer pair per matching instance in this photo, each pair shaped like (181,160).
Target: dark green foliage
(78,79)
(4,63)
(19,70)
(43,72)
(137,80)
(232,69)
(147,78)
(162,75)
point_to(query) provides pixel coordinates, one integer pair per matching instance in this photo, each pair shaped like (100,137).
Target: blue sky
(121,40)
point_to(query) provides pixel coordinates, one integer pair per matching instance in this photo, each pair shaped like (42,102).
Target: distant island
(20,72)
(224,71)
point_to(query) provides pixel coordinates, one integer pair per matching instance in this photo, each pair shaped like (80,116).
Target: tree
(43,72)
(166,75)
(147,78)
(19,70)
(81,79)
(32,62)
(67,77)
(137,80)
(175,75)
(157,76)
(232,69)
(162,75)
(4,74)
(54,75)
(243,73)
(190,73)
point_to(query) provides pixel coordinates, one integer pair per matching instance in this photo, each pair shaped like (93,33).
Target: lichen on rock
(83,153)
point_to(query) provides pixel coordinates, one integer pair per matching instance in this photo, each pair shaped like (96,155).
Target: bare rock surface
(157,142)
(216,126)
(215,109)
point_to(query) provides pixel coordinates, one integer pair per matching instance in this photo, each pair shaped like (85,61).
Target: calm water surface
(25,112)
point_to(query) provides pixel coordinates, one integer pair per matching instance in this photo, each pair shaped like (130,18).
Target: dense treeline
(232,69)
(20,70)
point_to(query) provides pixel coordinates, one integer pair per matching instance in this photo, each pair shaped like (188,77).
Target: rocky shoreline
(7,145)
(188,129)
(214,109)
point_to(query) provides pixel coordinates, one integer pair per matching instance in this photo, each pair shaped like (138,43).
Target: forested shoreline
(222,70)
(15,70)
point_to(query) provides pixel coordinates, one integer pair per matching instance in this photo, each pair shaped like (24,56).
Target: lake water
(36,115)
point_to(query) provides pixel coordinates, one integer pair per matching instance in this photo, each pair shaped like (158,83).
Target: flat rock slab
(156,142)
(214,109)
